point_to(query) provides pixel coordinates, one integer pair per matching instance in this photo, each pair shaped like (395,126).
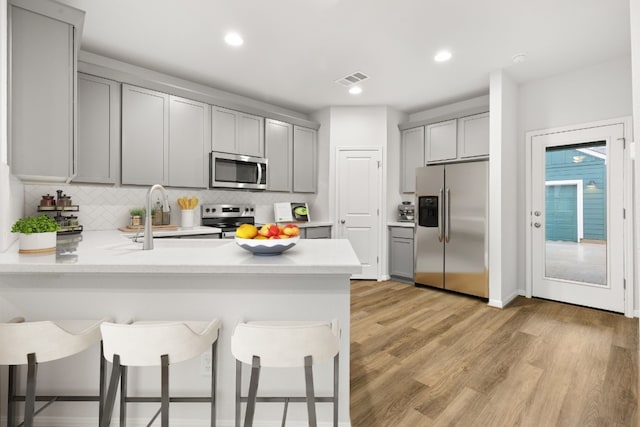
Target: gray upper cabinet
(236,132)
(188,143)
(145,125)
(98,129)
(473,136)
(412,157)
(278,150)
(441,141)
(43,39)
(304,160)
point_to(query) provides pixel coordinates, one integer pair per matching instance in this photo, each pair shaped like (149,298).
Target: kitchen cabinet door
(224,128)
(304,160)
(321,232)
(188,143)
(237,133)
(401,263)
(278,149)
(42,89)
(473,136)
(250,135)
(98,129)
(145,130)
(412,157)
(441,141)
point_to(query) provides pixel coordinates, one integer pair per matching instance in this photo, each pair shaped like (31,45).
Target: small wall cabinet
(304,160)
(278,149)
(473,136)
(441,140)
(236,132)
(98,130)
(412,157)
(401,262)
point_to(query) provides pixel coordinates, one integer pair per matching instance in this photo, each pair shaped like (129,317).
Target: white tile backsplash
(105,207)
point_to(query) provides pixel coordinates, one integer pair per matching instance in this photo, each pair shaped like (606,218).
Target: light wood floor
(423,357)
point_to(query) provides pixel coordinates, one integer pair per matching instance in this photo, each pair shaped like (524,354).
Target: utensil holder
(187,218)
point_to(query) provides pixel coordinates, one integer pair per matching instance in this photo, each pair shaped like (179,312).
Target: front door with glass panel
(576,218)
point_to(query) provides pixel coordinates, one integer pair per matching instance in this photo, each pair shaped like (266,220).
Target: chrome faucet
(148,229)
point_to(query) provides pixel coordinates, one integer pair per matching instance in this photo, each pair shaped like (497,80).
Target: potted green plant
(136,215)
(37,234)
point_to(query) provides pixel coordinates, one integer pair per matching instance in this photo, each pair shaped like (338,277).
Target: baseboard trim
(503,303)
(636,313)
(41,421)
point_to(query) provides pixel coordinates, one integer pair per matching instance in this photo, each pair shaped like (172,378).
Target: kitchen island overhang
(216,279)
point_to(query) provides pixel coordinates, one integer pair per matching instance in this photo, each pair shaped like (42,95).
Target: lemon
(247,231)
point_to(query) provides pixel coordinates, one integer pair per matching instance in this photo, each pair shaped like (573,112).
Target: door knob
(342,221)
(537,224)
(537,213)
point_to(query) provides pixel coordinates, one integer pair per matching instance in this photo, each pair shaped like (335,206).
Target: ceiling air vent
(352,79)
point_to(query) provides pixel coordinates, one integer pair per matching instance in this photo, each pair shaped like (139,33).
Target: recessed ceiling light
(442,56)
(355,90)
(233,39)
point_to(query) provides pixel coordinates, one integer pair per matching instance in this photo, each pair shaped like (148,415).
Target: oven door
(237,171)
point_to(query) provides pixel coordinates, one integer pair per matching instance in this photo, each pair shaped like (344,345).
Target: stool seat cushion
(49,340)
(142,343)
(285,344)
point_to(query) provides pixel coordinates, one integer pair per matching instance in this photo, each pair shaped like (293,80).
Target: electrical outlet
(205,364)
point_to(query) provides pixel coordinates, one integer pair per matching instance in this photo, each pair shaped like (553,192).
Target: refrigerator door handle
(447,223)
(441,216)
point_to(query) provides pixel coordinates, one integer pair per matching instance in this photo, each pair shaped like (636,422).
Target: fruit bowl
(267,246)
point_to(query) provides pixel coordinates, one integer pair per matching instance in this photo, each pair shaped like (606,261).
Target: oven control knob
(213,209)
(207,210)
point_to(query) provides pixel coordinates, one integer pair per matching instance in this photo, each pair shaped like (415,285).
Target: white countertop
(191,231)
(110,252)
(401,224)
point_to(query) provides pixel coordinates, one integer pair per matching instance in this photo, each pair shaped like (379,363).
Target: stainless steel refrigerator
(451,239)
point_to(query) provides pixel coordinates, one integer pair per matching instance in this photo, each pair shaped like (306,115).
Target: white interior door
(358,193)
(584,267)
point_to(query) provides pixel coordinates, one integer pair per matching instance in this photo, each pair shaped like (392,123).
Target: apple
(274,230)
(264,230)
(291,230)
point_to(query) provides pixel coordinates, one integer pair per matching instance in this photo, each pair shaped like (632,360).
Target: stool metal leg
(111,393)
(238,391)
(336,376)
(214,364)
(103,383)
(253,392)
(11,403)
(30,400)
(164,400)
(311,401)
(123,396)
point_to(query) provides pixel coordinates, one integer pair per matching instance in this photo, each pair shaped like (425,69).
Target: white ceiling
(295,49)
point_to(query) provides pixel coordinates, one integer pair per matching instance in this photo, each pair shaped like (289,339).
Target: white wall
(503,190)
(321,205)
(598,92)
(635,55)
(455,108)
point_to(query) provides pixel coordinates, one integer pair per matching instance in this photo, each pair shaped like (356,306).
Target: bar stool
(285,345)
(156,344)
(33,343)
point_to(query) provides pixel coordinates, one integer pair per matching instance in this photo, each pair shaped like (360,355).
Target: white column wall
(635,78)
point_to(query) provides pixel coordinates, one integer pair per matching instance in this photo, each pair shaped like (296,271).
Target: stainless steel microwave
(237,171)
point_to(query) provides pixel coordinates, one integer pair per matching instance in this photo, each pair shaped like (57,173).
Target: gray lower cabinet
(278,144)
(320,232)
(43,38)
(401,253)
(165,139)
(304,160)
(98,130)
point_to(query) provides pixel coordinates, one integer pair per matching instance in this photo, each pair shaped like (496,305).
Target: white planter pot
(37,242)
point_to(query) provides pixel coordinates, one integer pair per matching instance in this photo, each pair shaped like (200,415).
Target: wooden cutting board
(134,228)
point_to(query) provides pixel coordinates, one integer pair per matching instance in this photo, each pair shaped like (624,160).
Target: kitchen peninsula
(108,275)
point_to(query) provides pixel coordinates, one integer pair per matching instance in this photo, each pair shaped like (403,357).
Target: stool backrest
(48,340)
(285,344)
(142,343)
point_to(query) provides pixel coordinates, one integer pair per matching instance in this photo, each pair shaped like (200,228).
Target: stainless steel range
(227,217)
